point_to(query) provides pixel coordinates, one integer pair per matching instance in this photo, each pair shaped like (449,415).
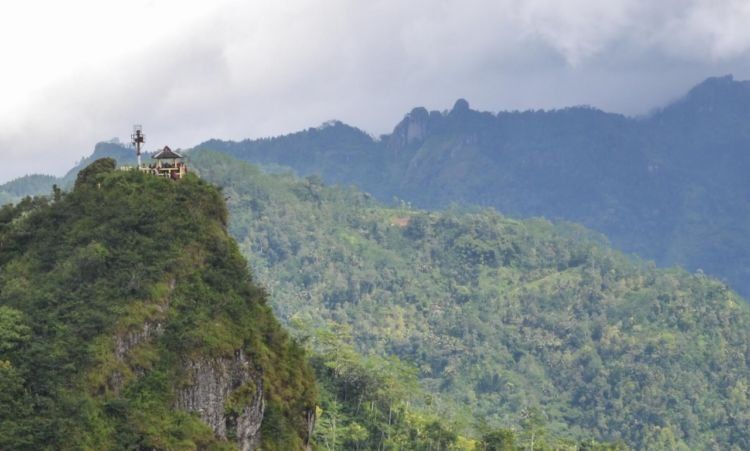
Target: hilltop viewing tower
(168,163)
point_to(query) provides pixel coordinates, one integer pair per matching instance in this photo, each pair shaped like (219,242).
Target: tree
(532,429)
(498,440)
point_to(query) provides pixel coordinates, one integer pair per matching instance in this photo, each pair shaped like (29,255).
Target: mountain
(29,185)
(334,150)
(671,186)
(506,321)
(456,321)
(429,327)
(129,320)
(114,149)
(40,185)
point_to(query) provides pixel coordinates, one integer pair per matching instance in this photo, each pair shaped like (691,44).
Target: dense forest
(124,300)
(457,328)
(671,186)
(30,185)
(128,315)
(478,328)
(503,320)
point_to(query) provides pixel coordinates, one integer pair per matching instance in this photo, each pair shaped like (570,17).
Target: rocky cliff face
(124,344)
(412,129)
(143,313)
(227,393)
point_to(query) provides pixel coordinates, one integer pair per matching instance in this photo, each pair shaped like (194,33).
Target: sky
(81,71)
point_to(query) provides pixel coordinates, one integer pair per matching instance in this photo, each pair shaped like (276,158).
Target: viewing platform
(168,164)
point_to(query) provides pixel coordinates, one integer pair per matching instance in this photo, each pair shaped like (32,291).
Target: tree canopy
(508,323)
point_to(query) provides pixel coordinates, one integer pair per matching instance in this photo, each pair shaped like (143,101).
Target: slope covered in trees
(127,317)
(128,320)
(505,320)
(40,185)
(30,185)
(671,186)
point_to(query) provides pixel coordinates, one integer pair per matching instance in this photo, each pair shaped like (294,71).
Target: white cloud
(81,71)
(709,30)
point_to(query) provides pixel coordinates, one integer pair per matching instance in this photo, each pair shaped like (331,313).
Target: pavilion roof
(166,153)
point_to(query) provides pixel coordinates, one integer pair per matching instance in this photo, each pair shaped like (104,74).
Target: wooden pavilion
(168,164)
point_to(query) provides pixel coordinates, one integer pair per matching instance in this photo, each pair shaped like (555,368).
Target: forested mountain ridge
(127,316)
(524,326)
(505,320)
(535,330)
(128,320)
(671,186)
(40,185)
(29,185)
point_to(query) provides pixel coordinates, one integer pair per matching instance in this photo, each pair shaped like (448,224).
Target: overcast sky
(76,72)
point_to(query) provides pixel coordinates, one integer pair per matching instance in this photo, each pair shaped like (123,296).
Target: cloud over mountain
(236,69)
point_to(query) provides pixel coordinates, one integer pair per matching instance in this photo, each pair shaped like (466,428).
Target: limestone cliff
(214,385)
(142,326)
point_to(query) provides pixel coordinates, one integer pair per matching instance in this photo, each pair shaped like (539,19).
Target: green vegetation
(510,325)
(41,185)
(30,185)
(375,402)
(671,186)
(83,273)
(460,329)
(126,255)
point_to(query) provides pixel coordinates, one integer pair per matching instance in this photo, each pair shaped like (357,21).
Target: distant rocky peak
(714,83)
(109,148)
(713,96)
(719,88)
(461,106)
(412,129)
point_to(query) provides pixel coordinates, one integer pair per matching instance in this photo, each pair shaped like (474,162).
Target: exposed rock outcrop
(227,393)
(127,341)
(412,129)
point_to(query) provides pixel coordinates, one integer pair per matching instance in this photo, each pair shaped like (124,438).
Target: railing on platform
(174,172)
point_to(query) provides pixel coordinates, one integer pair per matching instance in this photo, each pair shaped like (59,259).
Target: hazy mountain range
(671,186)
(494,317)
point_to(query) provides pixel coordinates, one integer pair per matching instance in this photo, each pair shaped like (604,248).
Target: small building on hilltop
(168,164)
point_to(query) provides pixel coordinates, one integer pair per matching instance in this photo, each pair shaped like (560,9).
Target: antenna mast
(138,138)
